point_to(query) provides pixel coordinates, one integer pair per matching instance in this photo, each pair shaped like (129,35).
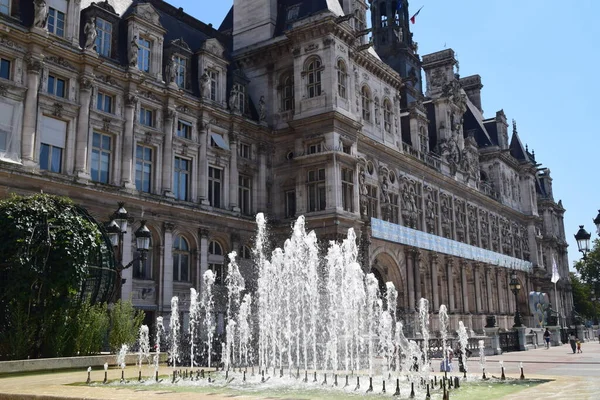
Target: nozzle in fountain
(383,390)
(503,377)
(89,370)
(370,389)
(357,383)
(428,396)
(397,392)
(412,390)
(324,380)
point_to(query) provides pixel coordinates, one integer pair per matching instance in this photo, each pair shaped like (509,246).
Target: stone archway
(386,269)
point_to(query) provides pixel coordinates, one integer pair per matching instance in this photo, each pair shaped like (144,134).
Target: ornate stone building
(288,108)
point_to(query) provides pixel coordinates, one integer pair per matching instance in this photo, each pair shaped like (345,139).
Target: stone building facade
(289,109)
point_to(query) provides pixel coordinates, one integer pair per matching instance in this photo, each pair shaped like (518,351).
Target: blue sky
(539,60)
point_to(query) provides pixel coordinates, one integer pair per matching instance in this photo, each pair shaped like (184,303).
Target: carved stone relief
(446,205)
(473,231)
(460,220)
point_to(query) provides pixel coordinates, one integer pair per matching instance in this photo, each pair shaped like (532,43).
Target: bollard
(370,389)
(397,392)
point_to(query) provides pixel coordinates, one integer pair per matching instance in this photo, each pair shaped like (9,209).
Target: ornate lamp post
(515,286)
(583,239)
(116,228)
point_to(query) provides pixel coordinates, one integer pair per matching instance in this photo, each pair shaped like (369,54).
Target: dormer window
(104,38)
(292,12)
(315,148)
(214,84)
(145,47)
(5,7)
(56,20)
(180,71)
(287,92)
(239,93)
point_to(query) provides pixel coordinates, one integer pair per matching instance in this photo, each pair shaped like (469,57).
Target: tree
(581,297)
(589,268)
(125,322)
(49,249)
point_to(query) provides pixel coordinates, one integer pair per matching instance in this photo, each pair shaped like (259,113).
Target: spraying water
(194,322)
(424,323)
(159,331)
(174,331)
(463,339)
(235,285)
(482,355)
(245,329)
(207,304)
(443,315)
(121,356)
(144,342)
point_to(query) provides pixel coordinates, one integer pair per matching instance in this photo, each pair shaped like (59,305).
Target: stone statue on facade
(172,70)
(451,152)
(134,50)
(40,17)
(262,109)
(233,97)
(205,85)
(363,192)
(90,34)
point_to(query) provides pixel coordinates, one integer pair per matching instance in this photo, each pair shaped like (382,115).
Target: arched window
(216,262)
(245,253)
(387,115)
(313,74)
(366,103)
(342,75)
(143,270)
(286,85)
(181,260)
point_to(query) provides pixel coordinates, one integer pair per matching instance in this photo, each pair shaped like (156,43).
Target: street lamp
(583,238)
(116,228)
(515,286)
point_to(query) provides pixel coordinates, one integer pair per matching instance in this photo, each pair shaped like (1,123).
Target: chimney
(472,85)
(439,70)
(253,21)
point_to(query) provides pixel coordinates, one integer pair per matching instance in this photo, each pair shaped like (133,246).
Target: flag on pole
(399,5)
(412,19)
(555,275)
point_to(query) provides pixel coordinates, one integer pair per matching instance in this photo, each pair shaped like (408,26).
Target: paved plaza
(574,376)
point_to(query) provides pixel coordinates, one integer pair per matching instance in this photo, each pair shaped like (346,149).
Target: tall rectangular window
(4,68)
(56,22)
(244,151)
(245,194)
(104,102)
(52,144)
(100,163)
(5,7)
(214,85)
(214,186)
(316,190)
(394,209)
(181,68)
(290,203)
(241,98)
(56,86)
(145,47)
(348,189)
(104,38)
(146,117)
(181,178)
(184,129)
(143,168)
(372,201)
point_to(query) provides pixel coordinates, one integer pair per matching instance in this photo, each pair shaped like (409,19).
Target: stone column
(203,166)
(82,134)
(499,291)
(167,156)
(127,181)
(509,294)
(434,282)
(262,178)
(477,282)
(417,266)
(34,69)
(465,287)
(450,275)
(168,267)
(203,255)
(488,281)
(233,173)
(410,278)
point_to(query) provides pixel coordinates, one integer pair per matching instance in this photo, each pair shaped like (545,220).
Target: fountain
(463,339)
(324,316)
(144,348)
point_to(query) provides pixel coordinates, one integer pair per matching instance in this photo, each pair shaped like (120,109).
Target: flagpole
(556,300)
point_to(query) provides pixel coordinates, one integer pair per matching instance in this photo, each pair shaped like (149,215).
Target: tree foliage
(589,268)
(125,322)
(581,297)
(46,245)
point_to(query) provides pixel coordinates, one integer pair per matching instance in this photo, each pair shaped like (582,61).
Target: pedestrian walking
(547,338)
(573,343)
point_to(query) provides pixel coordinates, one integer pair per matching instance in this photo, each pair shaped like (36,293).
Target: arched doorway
(386,269)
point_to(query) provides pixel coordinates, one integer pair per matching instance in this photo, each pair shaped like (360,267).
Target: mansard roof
(474,126)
